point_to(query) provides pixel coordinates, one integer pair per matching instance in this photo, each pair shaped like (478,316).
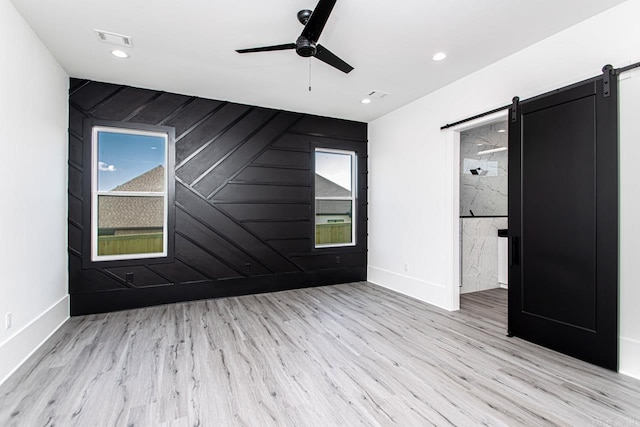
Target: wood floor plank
(354,354)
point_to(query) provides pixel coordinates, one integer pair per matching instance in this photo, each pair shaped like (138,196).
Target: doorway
(480,187)
(563,218)
(483,207)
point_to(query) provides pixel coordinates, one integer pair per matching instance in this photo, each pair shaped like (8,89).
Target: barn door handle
(514,256)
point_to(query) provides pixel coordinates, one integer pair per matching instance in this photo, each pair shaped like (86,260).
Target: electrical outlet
(9,321)
(247,267)
(406,268)
(128,277)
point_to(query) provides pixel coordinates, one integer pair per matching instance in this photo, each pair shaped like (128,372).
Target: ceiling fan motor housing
(304,15)
(305,47)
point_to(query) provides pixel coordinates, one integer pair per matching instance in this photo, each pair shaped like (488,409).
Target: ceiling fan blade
(318,19)
(268,48)
(324,55)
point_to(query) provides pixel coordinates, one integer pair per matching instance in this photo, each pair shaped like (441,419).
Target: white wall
(411,162)
(33,122)
(629,230)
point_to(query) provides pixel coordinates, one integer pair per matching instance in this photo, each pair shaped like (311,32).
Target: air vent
(113,38)
(377,94)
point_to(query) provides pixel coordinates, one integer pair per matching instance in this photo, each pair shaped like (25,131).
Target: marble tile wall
(479,253)
(486,193)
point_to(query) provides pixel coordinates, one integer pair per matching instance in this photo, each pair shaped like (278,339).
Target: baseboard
(20,346)
(629,363)
(503,286)
(128,298)
(422,290)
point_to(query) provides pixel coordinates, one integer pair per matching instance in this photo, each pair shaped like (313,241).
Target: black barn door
(563,221)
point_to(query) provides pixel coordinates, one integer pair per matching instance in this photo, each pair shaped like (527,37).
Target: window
(129,193)
(335,191)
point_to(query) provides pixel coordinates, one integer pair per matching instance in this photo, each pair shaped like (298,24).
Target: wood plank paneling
(231,165)
(75,210)
(284,158)
(178,272)
(244,205)
(142,276)
(328,127)
(324,261)
(280,230)
(202,260)
(297,141)
(224,249)
(75,182)
(92,94)
(265,193)
(292,246)
(275,176)
(75,238)
(75,150)
(89,281)
(124,103)
(76,117)
(223,145)
(233,231)
(207,130)
(184,119)
(268,212)
(160,108)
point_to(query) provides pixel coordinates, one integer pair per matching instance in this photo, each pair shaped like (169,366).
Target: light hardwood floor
(353,354)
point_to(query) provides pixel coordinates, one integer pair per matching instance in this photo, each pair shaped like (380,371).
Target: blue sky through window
(122,157)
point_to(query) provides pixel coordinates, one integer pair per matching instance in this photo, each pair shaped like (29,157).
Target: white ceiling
(188,46)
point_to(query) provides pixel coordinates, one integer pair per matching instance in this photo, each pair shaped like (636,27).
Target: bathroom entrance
(483,198)
(563,214)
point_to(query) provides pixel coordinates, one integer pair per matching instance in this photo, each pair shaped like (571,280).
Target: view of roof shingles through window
(334,201)
(131,212)
(127,213)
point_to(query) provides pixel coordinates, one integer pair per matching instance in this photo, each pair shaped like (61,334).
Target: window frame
(90,259)
(353,198)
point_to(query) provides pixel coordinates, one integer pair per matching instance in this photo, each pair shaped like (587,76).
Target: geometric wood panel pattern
(244,219)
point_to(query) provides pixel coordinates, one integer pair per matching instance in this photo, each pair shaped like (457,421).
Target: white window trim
(353,198)
(95,193)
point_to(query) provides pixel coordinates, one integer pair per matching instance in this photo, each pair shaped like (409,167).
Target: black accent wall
(244,220)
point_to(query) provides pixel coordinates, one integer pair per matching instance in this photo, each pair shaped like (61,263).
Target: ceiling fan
(307,44)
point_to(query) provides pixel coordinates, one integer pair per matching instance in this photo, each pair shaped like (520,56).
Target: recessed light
(439,56)
(366,101)
(501,130)
(119,53)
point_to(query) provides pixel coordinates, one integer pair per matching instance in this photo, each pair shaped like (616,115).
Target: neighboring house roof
(127,212)
(328,188)
(151,180)
(333,207)
(123,212)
